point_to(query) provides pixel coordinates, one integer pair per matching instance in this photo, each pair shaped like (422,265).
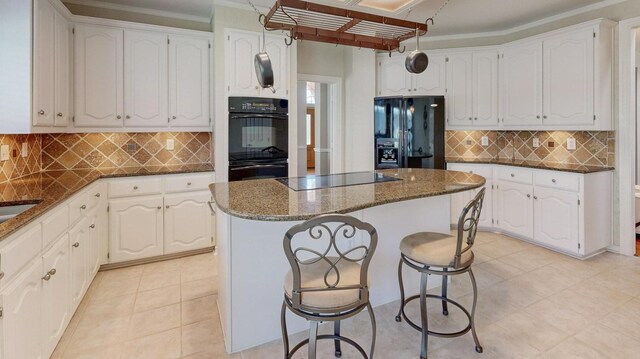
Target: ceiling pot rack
(316,22)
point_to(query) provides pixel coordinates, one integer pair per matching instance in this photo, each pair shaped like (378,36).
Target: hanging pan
(417,61)
(262,63)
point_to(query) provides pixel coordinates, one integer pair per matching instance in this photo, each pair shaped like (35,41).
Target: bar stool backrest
(330,238)
(468,226)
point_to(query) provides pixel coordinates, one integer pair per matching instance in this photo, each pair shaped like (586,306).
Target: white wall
(317,58)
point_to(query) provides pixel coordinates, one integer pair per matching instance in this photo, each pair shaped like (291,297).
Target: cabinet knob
(257,87)
(118,117)
(84,206)
(471,172)
(93,226)
(513,175)
(535,197)
(127,117)
(41,112)
(167,206)
(53,271)
(97,195)
(188,183)
(1,275)
(415,89)
(553,180)
(470,118)
(60,114)
(135,188)
(46,277)
(409,90)
(159,207)
(475,119)
(528,196)
(538,117)
(173,117)
(76,245)
(544,117)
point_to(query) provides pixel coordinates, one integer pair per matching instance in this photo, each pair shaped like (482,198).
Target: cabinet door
(79,239)
(95,237)
(189,82)
(62,93)
(187,222)
(279,55)
(135,228)
(242,80)
(146,79)
(515,208)
(569,79)
(98,76)
(433,80)
(556,218)
(43,63)
(459,89)
(56,299)
(22,315)
(521,84)
(393,77)
(485,88)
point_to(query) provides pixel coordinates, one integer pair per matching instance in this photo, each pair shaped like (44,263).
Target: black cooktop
(339,180)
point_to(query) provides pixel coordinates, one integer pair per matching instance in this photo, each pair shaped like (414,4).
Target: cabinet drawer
(20,251)
(135,187)
(96,194)
(484,170)
(515,174)
(195,182)
(552,179)
(78,206)
(55,224)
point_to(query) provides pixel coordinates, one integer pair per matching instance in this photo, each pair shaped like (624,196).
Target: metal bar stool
(328,282)
(442,254)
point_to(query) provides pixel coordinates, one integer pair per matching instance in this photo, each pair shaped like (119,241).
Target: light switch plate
(571,144)
(536,142)
(170,144)
(4,153)
(485,141)
(25,150)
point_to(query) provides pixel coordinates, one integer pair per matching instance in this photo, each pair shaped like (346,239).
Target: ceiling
(458,17)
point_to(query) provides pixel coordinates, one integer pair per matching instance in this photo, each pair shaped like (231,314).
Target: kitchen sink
(8,212)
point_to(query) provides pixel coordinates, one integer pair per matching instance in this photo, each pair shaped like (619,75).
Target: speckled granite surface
(565,167)
(270,200)
(49,188)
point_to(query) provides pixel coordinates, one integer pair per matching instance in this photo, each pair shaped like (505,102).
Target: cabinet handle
(47,277)
(53,271)
(544,117)
(84,206)
(188,183)
(167,206)
(60,114)
(528,196)
(159,207)
(173,117)
(553,180)
(93,226)
(512,175)
(118,117)
(127,117)
(415,89)
(135,188)
(470,118)
(538,117)
(76,245)
(97,195)
(409,90)
(475,119)
(41,112)
(535,197)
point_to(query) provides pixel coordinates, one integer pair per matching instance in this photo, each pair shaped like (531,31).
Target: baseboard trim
(110,266)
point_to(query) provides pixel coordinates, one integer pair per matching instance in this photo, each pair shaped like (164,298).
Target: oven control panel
(258,105)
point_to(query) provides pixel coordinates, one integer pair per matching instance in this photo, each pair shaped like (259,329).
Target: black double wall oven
(258,138)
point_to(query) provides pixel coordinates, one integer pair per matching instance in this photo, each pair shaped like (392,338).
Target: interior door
(459,89)
(241,75)
(311,138)
(44,64)
(99,76)
(521,84)
(146,79)
(485,88)
(187,222)
(56,300)
(62,93)
(516,208)
(556,218)
(135,228)
(189,82)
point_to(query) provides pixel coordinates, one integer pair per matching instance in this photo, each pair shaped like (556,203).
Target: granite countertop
(46,189)
(270,200)
(565,167)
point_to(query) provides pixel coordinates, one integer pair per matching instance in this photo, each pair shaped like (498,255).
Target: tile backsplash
(102,150)
(17,165)
(595,148)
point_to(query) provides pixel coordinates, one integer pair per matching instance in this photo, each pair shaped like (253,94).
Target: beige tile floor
(533,303)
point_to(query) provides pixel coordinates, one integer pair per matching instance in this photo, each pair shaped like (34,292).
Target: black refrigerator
(409,132)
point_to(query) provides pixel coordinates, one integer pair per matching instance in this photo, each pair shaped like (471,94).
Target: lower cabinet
(56,293)
(135,228)
(556,220)
(187,222)
(515,214)
(79,238)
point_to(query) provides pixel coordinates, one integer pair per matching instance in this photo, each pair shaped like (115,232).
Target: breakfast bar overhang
(253,216)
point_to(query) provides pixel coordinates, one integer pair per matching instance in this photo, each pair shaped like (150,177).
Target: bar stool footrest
(438,334)
(332,337)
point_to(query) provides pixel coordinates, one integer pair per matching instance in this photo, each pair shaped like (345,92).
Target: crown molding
(139,10)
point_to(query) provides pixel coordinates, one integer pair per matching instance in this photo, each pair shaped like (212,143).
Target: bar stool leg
(283,326)
(336,332)
(399,317)
(473,312)
(373,329)
(313,339)
(423,314)
(445,310)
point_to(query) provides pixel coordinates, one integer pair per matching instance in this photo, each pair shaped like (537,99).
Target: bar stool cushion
(312,276)
(433,249)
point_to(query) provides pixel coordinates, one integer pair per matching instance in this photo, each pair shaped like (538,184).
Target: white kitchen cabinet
(278,54)
(44,63)
(521,84)
(187,222)
(485,88)
(62,75)
(459,200)
(95,240)
(556,218)
(99,76)
(393,77)
(146,79)
(79,239)
(432,82)
(56,294)
(515,208)
(22,315)
(569,78)
(189,82)
(460,89)
(135,228)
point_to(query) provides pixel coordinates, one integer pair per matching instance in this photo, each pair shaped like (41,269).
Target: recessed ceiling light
(387,5)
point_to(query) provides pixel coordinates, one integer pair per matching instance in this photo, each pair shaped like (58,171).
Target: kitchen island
(253,216)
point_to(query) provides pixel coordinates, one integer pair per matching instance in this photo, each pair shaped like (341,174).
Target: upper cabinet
(459,102)
(141,80)
(240,50)
(393,79)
